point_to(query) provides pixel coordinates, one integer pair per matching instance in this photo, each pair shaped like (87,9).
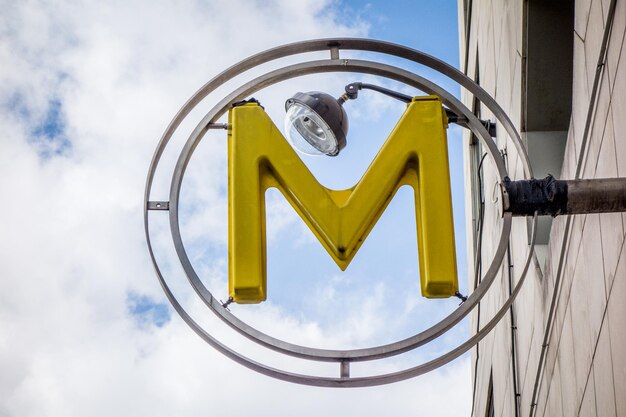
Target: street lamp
(317,124)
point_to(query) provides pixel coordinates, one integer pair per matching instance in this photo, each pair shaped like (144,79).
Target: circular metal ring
(353,355)
(353,44)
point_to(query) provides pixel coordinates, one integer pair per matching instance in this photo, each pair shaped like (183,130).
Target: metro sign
(415,154)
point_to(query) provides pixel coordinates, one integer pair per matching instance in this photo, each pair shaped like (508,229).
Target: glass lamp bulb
(308,132)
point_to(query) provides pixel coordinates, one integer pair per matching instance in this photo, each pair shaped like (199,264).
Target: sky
(86,90)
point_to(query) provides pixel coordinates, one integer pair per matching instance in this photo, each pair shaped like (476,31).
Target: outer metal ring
(326,66)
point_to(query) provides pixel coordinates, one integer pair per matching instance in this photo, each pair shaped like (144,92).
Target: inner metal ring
(355,44)
(329,355)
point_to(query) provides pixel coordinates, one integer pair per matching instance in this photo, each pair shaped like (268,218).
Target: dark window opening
(547,92)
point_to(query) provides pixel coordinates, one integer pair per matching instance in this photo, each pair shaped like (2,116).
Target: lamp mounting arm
(352,92)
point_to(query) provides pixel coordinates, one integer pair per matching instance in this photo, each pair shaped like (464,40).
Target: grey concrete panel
(588,403)
(616,315)
(581,14)
(616,43)
(580,92)
(554,404)
(565,360)
(593,38)
(603,374)
(598,129)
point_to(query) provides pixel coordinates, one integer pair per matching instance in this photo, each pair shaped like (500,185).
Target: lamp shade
(316,123)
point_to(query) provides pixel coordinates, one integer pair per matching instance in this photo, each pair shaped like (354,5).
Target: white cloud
(72,250)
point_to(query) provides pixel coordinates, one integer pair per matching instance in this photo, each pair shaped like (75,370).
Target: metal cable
(516,393)
(478,265)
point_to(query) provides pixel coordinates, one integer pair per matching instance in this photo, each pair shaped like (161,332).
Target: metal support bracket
(549,196)
(158,205)
(344,369)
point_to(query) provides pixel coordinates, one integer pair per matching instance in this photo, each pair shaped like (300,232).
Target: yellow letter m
(415,154)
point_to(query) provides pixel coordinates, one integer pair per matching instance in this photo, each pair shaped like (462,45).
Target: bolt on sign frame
(333,64)
(415,154)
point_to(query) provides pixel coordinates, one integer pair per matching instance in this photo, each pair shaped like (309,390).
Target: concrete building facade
(558,68)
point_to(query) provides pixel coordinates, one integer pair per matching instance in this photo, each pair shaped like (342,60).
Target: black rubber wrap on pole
(547,196)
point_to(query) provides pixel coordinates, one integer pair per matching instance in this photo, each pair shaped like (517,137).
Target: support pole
(549,196)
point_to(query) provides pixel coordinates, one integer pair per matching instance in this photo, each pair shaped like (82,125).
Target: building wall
(570,317)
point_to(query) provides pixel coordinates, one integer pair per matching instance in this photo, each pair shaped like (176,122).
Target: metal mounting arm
(352,92)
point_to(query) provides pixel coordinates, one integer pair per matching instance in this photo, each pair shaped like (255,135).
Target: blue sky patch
(47,131)
(49,134)
(146,311)
(52,124)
